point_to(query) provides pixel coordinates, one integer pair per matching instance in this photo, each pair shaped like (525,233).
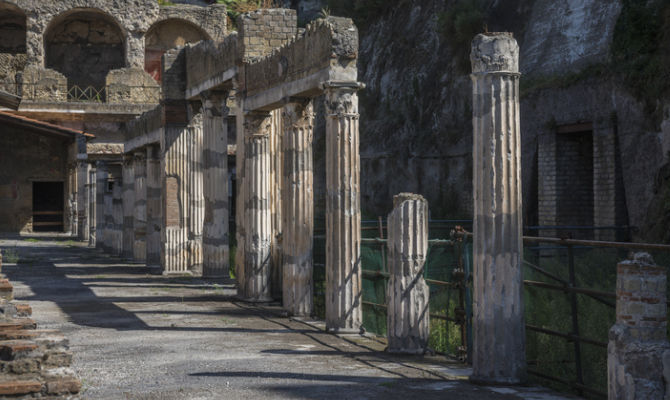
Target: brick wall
(263,30)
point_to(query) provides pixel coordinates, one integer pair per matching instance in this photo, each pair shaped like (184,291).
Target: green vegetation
(459,24)
(10,256)
(32,240)
(236,7)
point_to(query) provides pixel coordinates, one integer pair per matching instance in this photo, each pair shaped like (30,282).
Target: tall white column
(196,196)
(153,227)
(140,209)
(343,209)
(215,185)
(499,354)
(408,315)
(298,208)
(128,181)
(258,222)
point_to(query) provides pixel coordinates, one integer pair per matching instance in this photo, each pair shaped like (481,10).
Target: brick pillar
(153,228)
(343,209)
(128,181)
(297,208)
(140,209)
(638,353)
(408,318)
(215,185)
(258,221)
(499,351)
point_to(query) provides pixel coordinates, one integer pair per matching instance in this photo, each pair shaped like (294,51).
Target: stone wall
(263,30)
(208,60)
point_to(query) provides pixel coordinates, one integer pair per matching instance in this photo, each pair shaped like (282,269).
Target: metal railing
(87,94)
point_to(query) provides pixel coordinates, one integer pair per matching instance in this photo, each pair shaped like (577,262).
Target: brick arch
(84,44)
(166,34)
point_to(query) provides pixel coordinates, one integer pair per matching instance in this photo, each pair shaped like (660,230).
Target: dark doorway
(48,206)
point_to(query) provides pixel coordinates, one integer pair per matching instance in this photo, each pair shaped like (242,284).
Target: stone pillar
(343,209)
(196,196)
(240,197)
(408,316)
(100,188)
(82,199)
(258,222)
(116,231)
(153,227)
(92,214)
(128,179)
(215,185)
(140,211)
(109,233)
(638,353)
(297,208)
(499,354)
(276,163)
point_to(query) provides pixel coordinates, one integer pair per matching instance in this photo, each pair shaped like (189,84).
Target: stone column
(100,188)
(297,208)
(215,185)
(240,197)
(638,353)
(92,214)
(408,317)
(258,222)
(343,209)
(116,231)
(196,196)
(276,163)
(109,233)
(140,212)
(153,227)
(82,197)
(128,179)
(499,354)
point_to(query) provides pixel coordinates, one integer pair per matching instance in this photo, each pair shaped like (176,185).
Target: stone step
(6,290)
(61,381)
(23,310)
(17,323)
(13,349)
(16,334)
(19,387)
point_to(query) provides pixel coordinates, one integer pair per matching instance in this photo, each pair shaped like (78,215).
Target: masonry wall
(26,157)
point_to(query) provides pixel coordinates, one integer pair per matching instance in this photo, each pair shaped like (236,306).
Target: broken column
(343,209)
(128,181)
(499,354)
(638,353)
(258,222)
(297,208)
(215,185)
(153,226)
(140,209)
(408,317)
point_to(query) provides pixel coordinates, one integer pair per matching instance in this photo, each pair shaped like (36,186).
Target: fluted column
(100,188)
(82,199)
(128,175)
(215,185)
(343,209)
(153,226)
(115,234)
(258,222)
(140,211)
(499,354)
(408,317)
(297,208)
(92,214)
(196,209)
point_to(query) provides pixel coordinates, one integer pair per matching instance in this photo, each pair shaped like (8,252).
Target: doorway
(48,206)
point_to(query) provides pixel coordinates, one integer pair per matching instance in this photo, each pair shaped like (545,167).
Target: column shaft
(140,209)
(116,231)
(82,200)
(297,209)
(498,324)
(100,188)
(215,185)
(196,209)
(408,316)
(92,214)
(128,179)
(276,162)
(343,210)
(258,219)
(153,227)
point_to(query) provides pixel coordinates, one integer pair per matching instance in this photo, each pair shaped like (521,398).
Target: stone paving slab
(138,335)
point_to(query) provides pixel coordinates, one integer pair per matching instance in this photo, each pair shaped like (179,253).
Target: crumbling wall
(263,30)
(12,46)
(207,60)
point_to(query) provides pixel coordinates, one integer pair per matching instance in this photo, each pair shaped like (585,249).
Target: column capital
(257,124)
(215,103)
(299,113)
(494,53)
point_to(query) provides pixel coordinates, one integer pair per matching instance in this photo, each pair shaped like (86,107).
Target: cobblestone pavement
(138,335)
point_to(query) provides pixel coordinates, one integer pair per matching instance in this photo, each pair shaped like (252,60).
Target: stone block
(19,387)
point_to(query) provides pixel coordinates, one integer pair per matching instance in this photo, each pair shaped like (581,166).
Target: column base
(345,331)
(496,381)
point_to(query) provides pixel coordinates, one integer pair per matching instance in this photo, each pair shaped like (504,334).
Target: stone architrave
(499,355)
(297,208)
(128,181)
(153,227)
(343,209)
(258,218)
(638,353)
(408,316)
(140,211)
(215,184)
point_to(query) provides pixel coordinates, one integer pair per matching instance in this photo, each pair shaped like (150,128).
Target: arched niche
(84,45)
(165,35)
(12,29)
